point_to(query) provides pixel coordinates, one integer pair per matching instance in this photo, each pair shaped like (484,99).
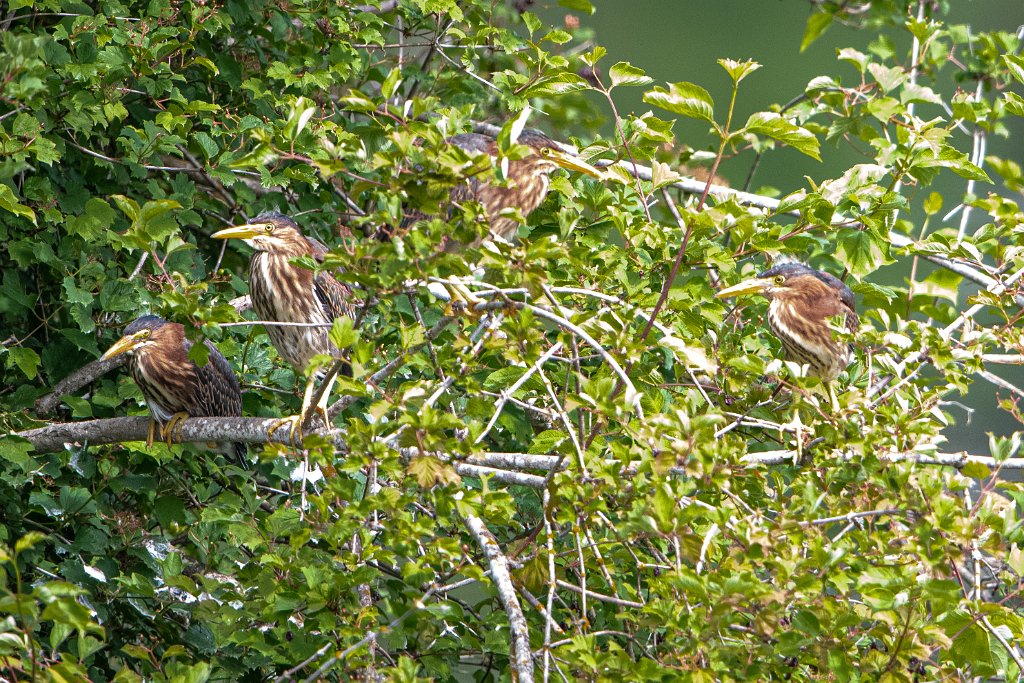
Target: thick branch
(75,381)
(52,437)
(522,657)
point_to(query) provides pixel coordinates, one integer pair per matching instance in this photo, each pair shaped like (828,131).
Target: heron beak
(754,285)
(241,232)
(572,163)
(122,345)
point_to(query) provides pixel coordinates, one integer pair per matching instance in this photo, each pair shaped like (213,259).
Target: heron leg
(173,427)
(461,299)
(796,425)
(154,427)
(294,423)
(297,422)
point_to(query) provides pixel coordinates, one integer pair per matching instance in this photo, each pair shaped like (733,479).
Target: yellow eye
(269,227)
(779,279)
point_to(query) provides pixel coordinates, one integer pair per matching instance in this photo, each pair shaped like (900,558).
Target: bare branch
(75,381)
(52,438)
(522,657)
(957,460)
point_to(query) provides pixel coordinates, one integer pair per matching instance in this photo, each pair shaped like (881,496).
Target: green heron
(174,387)
(528,177)
(526,186)
(802,302)
(284,292)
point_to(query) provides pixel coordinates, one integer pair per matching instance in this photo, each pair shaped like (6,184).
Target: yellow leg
(296,423)
(833,398)
(173,427)
(153,427)
(461,299)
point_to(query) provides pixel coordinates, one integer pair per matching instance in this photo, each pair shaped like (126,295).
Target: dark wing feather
(474,142)
(334,296)
(218,393)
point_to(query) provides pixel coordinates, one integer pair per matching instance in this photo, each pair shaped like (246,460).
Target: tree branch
(522,656)
(76,380)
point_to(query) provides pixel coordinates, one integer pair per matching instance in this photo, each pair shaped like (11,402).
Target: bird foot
(172,430)
(298,422)
(462,301)
(294,429)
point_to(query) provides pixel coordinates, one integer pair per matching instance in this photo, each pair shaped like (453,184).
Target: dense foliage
(634,498)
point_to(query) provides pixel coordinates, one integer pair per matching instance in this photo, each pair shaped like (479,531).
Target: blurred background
(679,40)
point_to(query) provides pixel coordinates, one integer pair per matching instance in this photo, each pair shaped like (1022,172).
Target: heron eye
(779,279)
(269,227)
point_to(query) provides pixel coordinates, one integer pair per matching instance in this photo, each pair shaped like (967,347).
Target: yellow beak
(242,232)
(754,285)
(122,345)
(572,163)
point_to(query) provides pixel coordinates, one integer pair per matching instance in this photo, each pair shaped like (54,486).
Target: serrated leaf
(430,471)
(624,73)
(128,206)
(1014,103)
(860,251)
(738,70)
(957,162)
(888,77)
(686,99)
(546,442)
(343,333)
(776,127)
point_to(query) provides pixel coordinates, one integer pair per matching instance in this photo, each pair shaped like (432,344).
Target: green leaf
(1014,103)
(1015,65)
(577,5)
(15,450)
(778,128)
(624,73)
(546,442)
(860,251)
(169,510)
(887,76)
(343,333)
(956,161)
(128,206)
(817,23)
(686,99)
(27,360)
(9,202)
(738,70)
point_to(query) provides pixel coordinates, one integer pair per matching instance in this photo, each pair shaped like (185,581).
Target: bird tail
(241,452)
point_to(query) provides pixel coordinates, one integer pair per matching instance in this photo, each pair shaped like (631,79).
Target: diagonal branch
(522,656)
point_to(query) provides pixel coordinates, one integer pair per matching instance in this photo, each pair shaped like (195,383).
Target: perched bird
(525,187)
(175,388)
(802,302)
(284,292)
(528,178)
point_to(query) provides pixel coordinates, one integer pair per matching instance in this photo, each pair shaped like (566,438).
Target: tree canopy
(593,470)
